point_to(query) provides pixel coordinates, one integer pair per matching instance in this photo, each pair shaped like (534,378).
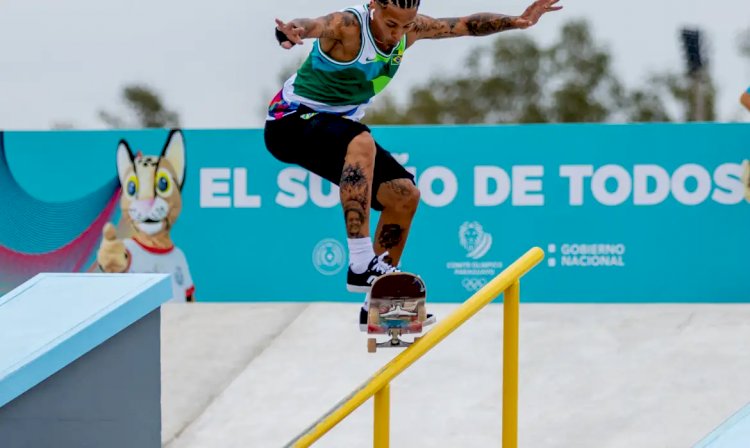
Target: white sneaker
(380,265)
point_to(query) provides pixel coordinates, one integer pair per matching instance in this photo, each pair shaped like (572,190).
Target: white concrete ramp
(599,376)
(205,347)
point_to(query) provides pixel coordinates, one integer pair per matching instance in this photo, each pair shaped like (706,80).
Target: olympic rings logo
(473,284)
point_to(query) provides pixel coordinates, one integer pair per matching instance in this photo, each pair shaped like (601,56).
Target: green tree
(145,106)
(691,95)
(743,43)
(516,81)
(589,90)
(690,98)
(694,96)
(645,104)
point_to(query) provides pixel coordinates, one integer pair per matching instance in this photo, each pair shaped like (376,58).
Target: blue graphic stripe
(30,225)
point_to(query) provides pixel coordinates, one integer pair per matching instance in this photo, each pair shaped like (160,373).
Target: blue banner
(625,213)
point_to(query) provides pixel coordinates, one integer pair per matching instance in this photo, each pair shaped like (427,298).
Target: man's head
(391,19)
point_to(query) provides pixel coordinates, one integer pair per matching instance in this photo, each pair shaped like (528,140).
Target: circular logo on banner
(329,257)
(474,239)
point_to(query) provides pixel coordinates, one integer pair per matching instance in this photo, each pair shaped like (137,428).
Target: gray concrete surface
(205,347)
(599,376)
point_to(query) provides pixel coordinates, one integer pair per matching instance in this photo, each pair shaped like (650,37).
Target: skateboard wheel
(372,345)
(421,313)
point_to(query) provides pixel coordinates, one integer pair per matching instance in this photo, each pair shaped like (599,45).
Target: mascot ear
(124,161)
(174,152)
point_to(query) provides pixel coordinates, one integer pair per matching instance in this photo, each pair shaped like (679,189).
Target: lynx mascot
(151,202)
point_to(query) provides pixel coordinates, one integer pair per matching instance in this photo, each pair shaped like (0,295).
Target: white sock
(361,253)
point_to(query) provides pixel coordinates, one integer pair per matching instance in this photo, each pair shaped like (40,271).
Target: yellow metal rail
(379,384)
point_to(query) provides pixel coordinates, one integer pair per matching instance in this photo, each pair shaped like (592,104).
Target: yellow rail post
(381,430)
(406,358)
(511,304)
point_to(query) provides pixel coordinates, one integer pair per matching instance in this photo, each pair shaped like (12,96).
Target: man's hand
(534,12)
(292,32)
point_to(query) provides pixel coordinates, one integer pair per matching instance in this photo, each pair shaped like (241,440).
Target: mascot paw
(112,255)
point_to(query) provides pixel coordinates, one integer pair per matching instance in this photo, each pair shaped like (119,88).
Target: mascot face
(151,186)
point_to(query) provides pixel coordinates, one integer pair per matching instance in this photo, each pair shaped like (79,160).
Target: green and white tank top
(343,88)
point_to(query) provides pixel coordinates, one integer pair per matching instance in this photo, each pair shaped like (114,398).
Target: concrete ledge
(80,361)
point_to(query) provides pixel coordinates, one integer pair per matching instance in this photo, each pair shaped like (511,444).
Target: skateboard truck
(394,342)
(398,312)
(396,307)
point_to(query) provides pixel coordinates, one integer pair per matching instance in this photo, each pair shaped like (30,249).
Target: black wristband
(281,37)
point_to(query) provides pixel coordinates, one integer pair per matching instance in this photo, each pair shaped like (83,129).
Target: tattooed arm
(333,26)
(482,24)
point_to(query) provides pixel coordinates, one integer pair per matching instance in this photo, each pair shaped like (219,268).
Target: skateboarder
(314,121)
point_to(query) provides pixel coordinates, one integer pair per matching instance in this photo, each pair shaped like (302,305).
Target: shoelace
(383,267)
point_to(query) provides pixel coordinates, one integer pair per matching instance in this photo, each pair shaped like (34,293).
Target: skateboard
(396,307)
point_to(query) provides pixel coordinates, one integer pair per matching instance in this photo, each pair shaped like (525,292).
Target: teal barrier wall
(626,213)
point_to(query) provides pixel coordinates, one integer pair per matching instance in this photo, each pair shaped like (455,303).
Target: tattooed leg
(400,199)
(356,185)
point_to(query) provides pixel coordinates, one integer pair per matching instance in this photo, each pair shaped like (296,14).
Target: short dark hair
(406,4)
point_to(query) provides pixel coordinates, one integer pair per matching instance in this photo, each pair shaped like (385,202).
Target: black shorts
(319,142)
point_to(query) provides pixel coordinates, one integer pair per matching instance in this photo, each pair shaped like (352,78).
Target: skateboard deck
(396,307)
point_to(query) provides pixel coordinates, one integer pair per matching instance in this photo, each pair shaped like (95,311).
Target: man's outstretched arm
(332,26)
(482,24)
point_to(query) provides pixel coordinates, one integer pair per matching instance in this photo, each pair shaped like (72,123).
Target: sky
(217,62)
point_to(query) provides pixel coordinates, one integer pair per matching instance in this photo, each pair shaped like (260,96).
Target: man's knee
(400,195)
(363,145)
